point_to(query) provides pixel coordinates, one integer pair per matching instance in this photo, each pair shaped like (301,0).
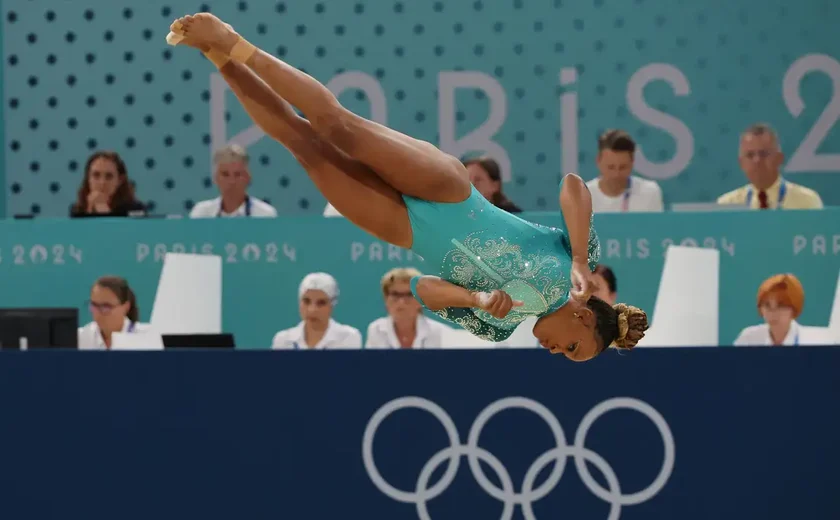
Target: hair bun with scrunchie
(632,324)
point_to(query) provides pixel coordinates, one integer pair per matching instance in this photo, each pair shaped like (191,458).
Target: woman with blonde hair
(405,326)
(780,301)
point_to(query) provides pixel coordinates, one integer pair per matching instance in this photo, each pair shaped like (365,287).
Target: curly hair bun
(632,324)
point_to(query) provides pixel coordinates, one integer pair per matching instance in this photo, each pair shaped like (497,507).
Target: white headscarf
(320,282)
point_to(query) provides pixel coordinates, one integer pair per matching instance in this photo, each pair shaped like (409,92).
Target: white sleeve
(263,209)
(280,341)
(353,338)
(743,339)
(440,330)
(375,339)
(200,210)
(658,202)
(86,337)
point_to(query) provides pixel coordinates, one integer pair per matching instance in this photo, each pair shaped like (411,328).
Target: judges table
(52,263)
(662,433)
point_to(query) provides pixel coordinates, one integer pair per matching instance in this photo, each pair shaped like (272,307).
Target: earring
(576,315)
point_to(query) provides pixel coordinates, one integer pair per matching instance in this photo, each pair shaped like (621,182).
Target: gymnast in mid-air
(493,269)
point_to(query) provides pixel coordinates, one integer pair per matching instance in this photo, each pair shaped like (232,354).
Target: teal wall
(537,82)
(3,195)
(53,262)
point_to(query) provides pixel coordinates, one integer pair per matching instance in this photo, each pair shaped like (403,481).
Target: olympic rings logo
(507,494)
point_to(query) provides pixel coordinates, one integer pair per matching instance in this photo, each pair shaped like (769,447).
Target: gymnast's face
(570,331)
(233,178)
(615,166)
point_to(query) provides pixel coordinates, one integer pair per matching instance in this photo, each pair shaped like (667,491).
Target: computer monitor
(213,341)
(39,328)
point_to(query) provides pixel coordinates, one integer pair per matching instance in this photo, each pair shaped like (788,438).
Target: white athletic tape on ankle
(174,39)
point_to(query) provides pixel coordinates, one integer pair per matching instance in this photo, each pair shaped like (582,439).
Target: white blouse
(382,334)
(90,337)
(336,336)
(759,336)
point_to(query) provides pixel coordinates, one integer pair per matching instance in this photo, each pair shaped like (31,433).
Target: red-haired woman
(780,301)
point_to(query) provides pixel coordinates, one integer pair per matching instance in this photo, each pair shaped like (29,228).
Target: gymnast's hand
(497,303)
(583,282)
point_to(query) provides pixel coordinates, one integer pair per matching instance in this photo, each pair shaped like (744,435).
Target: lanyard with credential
(247,208)
(782,193)
(625,199)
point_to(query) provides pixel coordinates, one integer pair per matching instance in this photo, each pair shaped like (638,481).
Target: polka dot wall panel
(530,82)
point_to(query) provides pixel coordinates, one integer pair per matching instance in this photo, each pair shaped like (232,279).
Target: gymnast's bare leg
(355,191)
(412,167)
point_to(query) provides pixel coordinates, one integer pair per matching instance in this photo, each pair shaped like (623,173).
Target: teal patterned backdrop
(53,262)
(532,82)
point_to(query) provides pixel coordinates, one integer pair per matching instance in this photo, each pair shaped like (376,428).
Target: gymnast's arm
(437,294)
(576,206)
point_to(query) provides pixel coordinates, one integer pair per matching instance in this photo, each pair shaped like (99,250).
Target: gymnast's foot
(205,29)
(181,39)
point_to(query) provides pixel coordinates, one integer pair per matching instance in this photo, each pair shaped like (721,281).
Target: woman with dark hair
(106,190)
(486,177)
(606,283)
(494,270)
(114,308)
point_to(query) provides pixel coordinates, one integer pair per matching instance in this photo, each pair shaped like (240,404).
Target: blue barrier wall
(692,434)
(531,82)
(54,262)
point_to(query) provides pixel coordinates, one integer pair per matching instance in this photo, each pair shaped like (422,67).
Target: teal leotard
(480,247)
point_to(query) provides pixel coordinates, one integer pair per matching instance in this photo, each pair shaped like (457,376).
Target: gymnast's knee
(337,125)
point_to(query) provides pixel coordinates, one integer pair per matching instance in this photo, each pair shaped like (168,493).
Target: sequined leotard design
(480,247)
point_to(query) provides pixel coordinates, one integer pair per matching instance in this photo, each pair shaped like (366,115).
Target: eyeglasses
(102,308)
(395,295)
